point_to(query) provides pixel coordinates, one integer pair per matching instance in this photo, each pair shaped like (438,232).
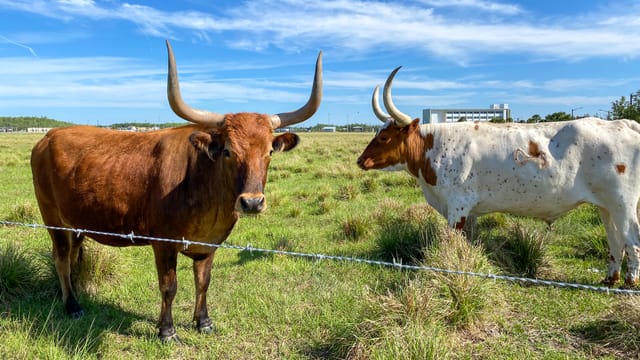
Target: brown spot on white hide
(534,154)
(621,168)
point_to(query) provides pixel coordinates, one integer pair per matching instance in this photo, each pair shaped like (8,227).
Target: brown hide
(180,182)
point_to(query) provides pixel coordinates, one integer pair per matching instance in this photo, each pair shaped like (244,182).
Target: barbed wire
(187,243)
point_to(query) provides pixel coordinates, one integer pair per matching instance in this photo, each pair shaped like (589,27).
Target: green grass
(273,306)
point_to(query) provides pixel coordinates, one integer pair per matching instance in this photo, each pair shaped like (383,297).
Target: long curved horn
(312,105)
(375,104)
(179,107)
(401,118)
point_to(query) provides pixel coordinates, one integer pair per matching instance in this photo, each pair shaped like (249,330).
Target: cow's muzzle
(364,163)
(251,203)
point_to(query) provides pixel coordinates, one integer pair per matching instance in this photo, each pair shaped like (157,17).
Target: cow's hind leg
(628,240)
(632,248)
(202,277)
(66,251)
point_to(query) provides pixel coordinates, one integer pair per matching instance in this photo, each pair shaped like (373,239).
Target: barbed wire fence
(187,243)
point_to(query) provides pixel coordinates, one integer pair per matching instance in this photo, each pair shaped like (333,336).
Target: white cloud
(366,26)
(484,5)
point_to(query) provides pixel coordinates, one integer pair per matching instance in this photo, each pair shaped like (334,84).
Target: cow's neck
(417,144)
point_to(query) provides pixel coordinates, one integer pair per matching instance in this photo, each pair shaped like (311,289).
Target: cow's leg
(470,226)
(166,260)
(65,252)
(629,232)
(202,277)
(616,253)
(632,248)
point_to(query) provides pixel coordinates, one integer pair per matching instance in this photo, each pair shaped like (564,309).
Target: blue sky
(102,62)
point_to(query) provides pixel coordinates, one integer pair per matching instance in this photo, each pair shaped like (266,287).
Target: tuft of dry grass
(98,265)
(471,299)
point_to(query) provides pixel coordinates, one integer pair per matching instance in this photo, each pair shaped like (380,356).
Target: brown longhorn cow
(189,182)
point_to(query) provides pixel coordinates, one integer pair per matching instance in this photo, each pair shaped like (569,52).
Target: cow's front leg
(202,277)
(166,260)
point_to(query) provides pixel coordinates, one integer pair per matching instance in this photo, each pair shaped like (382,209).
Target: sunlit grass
(276,306)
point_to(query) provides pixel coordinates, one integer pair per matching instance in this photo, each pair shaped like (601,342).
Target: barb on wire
(394,264)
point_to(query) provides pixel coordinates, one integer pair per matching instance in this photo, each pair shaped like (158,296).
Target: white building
(495,111)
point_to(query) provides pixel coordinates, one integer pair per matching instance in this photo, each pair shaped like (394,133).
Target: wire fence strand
(187,243)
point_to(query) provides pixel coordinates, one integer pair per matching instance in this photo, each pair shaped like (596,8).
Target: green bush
(404,236)
(519,251)
(19,270)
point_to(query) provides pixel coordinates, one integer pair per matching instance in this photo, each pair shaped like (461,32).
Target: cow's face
(243,148)
(388,148)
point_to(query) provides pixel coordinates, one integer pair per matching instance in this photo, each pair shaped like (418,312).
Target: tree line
(22,123)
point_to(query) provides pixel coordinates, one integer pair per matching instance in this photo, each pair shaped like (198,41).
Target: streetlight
(578,108)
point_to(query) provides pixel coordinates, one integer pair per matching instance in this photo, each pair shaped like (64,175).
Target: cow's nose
(361,163)
(252,204)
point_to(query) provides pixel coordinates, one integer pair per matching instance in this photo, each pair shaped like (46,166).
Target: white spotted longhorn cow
(468,169)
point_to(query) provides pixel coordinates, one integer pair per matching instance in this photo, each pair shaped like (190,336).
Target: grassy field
(268,306)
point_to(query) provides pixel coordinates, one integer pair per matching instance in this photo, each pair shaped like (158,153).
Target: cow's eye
(226,153)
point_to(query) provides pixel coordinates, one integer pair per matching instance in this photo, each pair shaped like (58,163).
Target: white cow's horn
(375,104)
(400,118)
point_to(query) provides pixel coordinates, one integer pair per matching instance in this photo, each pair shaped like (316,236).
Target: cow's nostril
(252,205)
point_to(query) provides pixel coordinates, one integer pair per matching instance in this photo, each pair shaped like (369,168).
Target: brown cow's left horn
(401,118)
(312,105)
(180,107)
(375,104)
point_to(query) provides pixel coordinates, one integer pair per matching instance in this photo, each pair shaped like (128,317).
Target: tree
(623,109)
(534,119)
(557,116)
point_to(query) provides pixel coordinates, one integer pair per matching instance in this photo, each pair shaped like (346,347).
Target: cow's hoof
(168,335)
(630,284)
(611,280)
(77,314)
(206,329)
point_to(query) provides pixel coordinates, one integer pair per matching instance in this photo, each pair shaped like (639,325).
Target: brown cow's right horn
(401,118)
(179,107)
(375,104)
(306,111)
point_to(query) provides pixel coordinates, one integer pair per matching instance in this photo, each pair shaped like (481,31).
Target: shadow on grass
(43,317)
(246,256)
(616,337)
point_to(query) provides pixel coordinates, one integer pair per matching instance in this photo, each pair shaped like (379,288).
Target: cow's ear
(210,144)
(414,125)
(285,142)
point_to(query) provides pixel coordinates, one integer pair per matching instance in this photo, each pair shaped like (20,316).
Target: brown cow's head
(387,149)
(242,143)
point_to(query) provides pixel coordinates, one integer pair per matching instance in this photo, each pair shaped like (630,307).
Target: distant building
(495,111)
(38,130)
(329,129)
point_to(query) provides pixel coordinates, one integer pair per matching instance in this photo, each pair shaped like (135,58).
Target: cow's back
(539,170)
(109,180)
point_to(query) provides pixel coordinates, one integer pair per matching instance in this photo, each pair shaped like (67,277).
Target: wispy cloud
(366,26)
(488,6)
